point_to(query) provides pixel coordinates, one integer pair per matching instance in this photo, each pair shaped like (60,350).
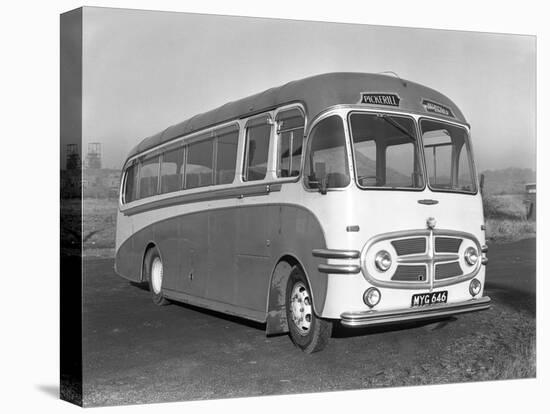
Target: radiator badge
(430,223)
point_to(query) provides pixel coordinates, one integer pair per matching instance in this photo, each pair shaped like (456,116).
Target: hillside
(508,180)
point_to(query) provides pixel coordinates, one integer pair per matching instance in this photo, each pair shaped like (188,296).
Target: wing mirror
(323,185)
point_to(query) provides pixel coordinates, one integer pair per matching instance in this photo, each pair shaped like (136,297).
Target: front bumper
(372,317)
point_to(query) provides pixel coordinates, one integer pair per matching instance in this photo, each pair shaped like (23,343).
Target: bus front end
(404,217)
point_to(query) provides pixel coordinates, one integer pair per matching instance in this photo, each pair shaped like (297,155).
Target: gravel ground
(136,352)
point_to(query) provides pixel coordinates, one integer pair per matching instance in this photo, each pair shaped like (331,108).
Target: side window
(198,170)
(149,177)
(226,156)
(438,154)
(448,156)
(130,188)
(171,171)
(326,159)
(257,147)
(291,134)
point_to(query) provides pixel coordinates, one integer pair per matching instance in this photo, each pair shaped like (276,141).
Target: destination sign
(387,99)
(437,108)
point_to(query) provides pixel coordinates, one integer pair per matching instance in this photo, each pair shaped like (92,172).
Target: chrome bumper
(372,317)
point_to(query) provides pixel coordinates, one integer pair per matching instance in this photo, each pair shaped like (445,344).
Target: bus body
(344,197)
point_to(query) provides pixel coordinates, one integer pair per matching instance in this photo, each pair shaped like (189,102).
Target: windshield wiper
(397,125)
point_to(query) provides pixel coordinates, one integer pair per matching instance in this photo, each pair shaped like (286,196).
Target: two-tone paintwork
(231,247)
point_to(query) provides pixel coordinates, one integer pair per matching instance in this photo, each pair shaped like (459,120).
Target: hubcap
(156,275)
(300,308)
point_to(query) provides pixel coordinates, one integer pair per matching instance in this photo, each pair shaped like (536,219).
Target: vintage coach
(345,198)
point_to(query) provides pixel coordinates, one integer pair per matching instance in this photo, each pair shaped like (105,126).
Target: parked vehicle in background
(531,200)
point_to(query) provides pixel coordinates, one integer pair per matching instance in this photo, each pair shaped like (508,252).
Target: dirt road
(136,352)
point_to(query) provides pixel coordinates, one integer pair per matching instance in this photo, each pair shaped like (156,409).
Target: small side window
(291,134)
(130,186)
(199,166)
(226,156)
(257,147)
(149,177)
(171,171)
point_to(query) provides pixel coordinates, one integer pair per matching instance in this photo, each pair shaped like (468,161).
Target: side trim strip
(210,194)
(339,269)
(336,254)
(371,318)
(217,306)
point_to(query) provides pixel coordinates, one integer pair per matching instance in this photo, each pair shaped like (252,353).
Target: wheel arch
(150,244)
(276,321)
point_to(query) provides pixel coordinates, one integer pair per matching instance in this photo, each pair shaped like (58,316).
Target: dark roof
(316,93)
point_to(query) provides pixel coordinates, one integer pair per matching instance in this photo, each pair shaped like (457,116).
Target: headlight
(371,297)
(382,260)
(475,287)
(471,255)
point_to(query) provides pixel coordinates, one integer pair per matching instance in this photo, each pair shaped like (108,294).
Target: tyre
(307,331)
(154,270)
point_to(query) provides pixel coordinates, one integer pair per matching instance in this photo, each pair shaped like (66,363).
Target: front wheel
(307,331)
(154,271)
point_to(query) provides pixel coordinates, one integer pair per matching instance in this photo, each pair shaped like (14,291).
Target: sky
(146,70)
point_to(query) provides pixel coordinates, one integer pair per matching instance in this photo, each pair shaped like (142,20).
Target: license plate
(424,299)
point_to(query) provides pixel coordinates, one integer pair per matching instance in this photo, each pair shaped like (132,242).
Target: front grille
(447,244)
(410,273)
(423,258)
(415,245)
(447,270)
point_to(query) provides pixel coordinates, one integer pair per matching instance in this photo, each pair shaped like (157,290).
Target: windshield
(448,157)
(386,151)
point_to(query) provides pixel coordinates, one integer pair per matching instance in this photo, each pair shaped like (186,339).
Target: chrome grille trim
(430,258)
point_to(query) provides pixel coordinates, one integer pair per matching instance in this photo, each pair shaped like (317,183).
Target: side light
(382,260)
(471,255)
(475,287)
(484,259)
(371,297)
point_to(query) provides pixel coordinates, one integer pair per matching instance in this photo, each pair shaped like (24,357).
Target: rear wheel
(307,331)
(154,271)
